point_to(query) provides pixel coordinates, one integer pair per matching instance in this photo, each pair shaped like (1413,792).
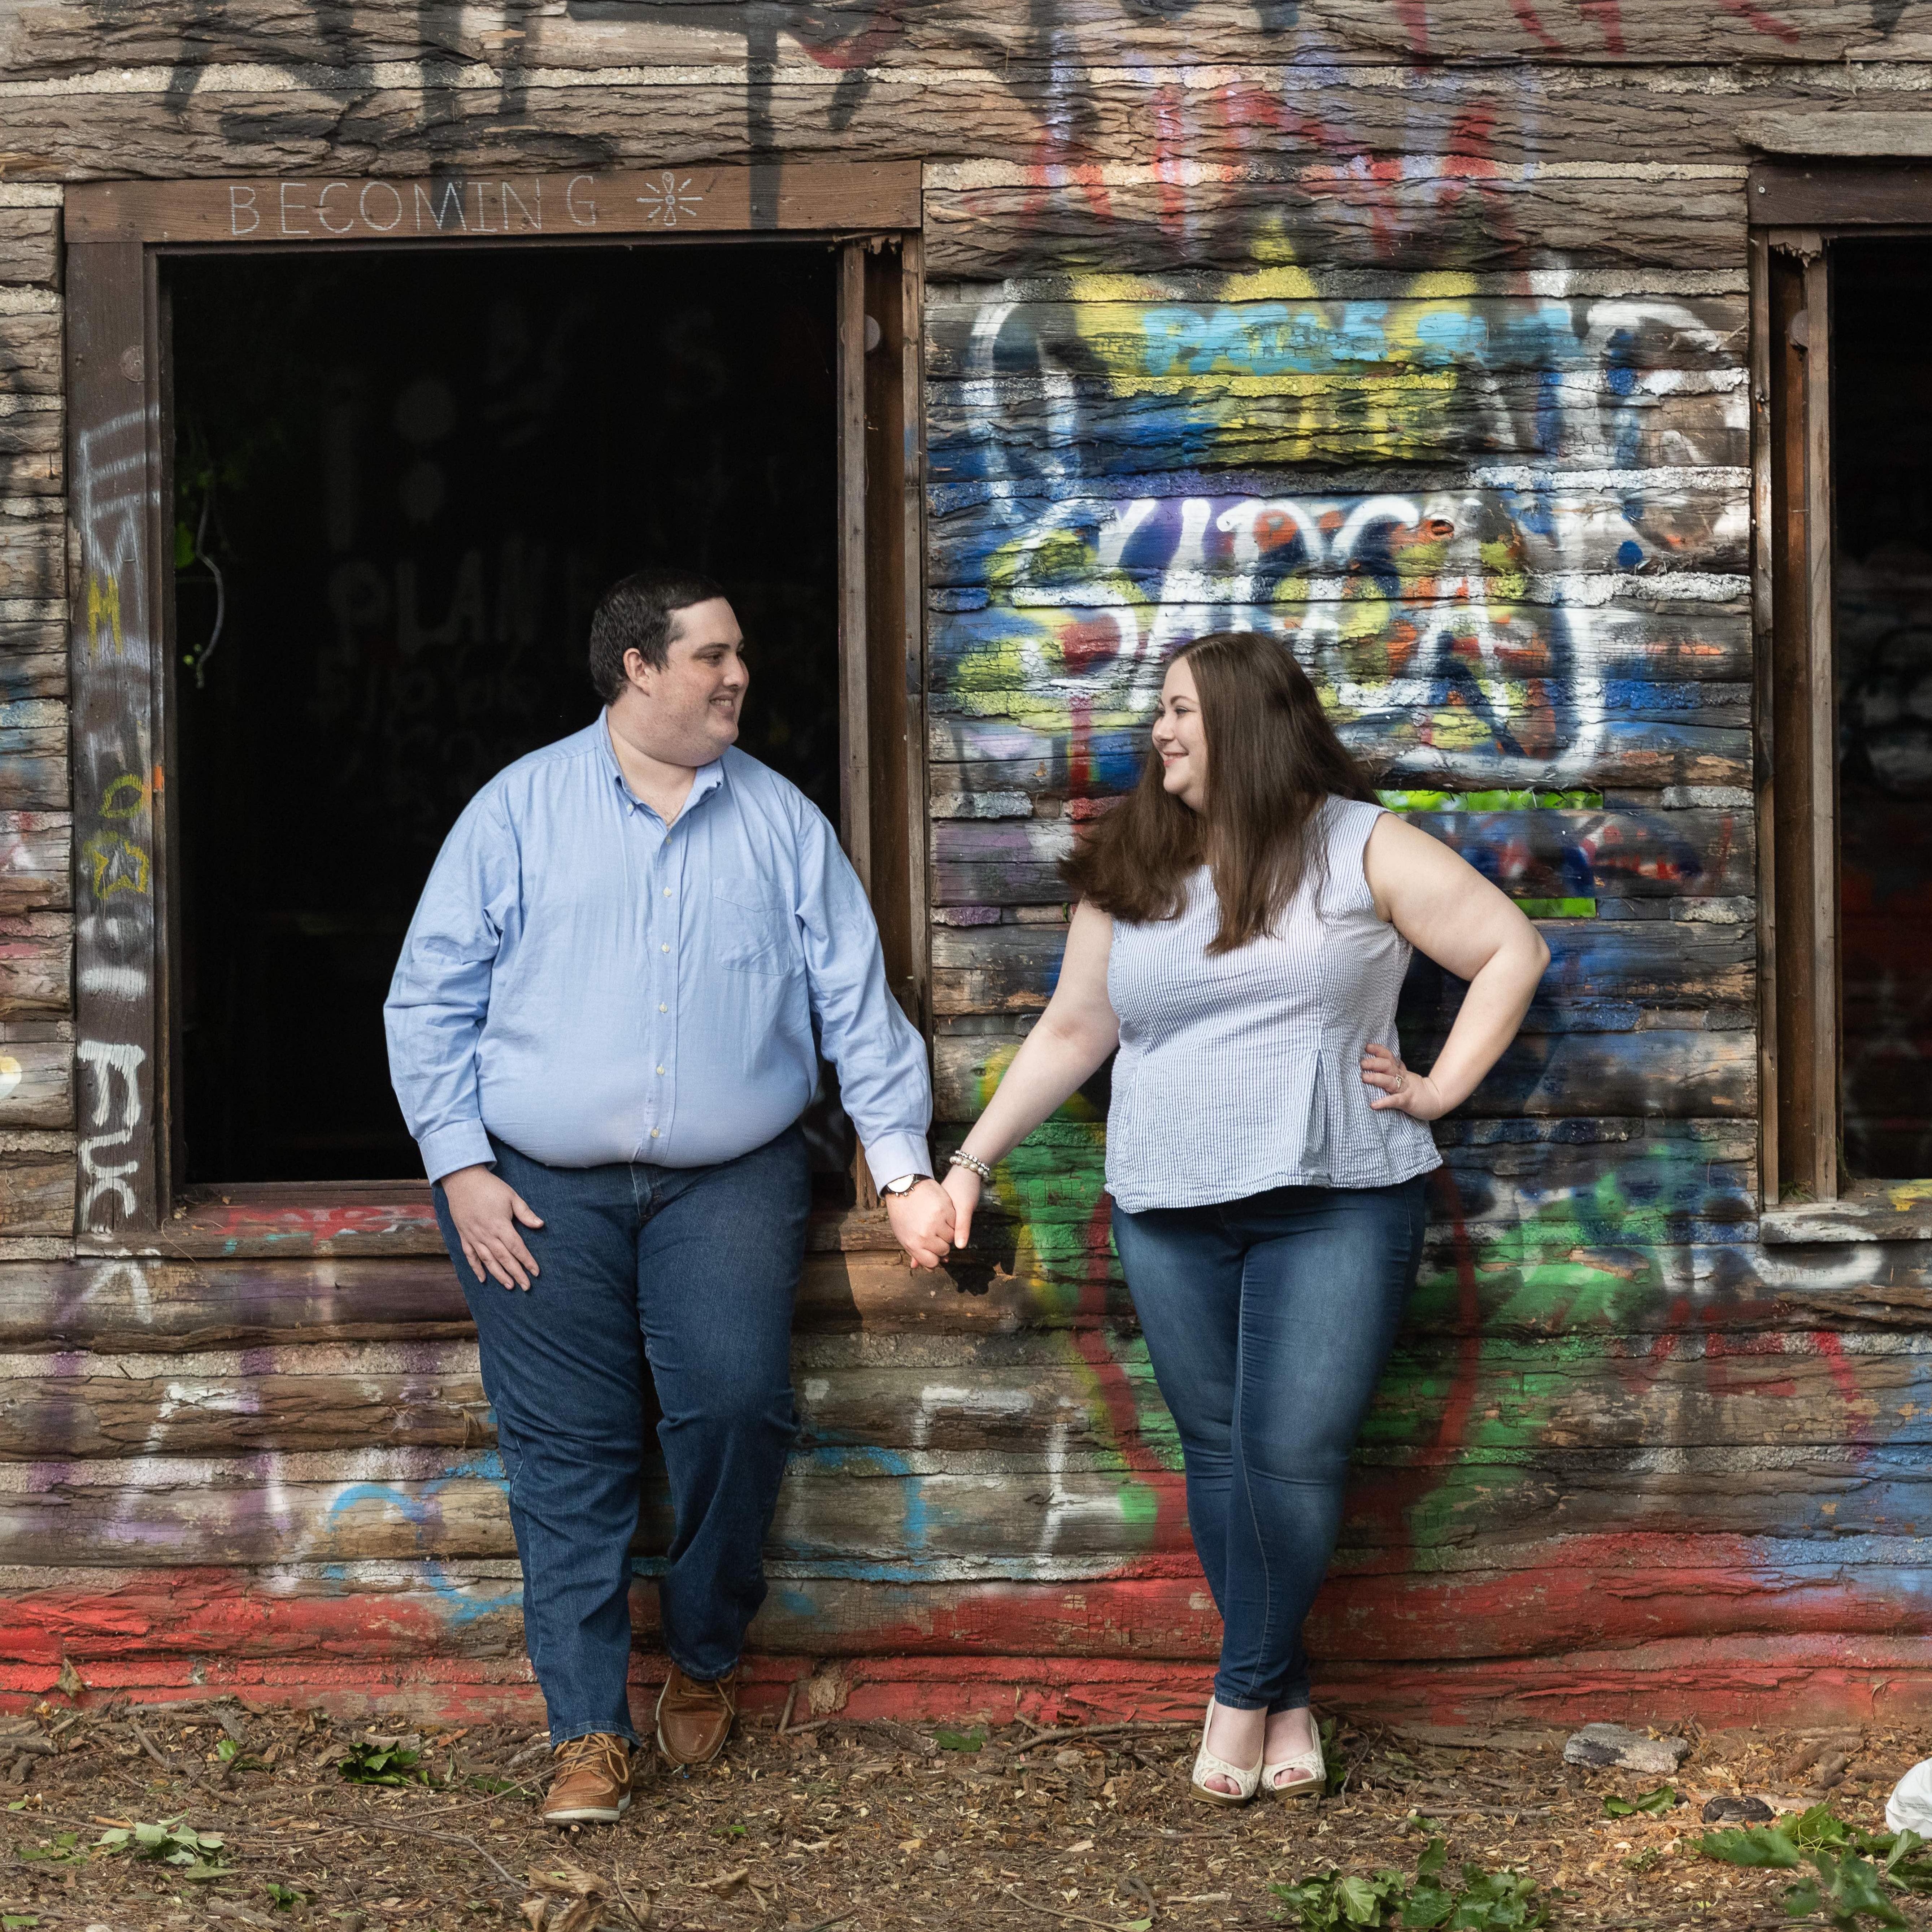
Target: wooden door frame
(129,1197)
(1797,209)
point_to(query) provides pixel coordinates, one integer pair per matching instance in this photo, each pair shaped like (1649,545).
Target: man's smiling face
(689,712)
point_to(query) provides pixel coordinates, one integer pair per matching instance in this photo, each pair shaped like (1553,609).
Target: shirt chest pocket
(752,929)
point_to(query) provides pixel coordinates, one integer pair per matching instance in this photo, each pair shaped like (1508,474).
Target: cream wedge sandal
(1206,1765)
(1311,1768)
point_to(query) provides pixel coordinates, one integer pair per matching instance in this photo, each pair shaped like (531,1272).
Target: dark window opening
(1882,479)
(412,475)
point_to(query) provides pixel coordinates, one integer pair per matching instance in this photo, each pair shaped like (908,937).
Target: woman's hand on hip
(1400,1089)
(963,1185)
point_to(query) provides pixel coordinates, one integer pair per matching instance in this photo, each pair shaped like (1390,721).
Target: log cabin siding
(1419,330)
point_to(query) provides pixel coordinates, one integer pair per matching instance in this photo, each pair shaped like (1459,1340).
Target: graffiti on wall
(116,775)
(1474,629)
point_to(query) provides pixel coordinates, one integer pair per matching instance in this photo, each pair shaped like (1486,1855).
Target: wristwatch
(905,1183)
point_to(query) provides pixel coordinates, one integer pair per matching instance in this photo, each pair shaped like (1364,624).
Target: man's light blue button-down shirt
(591,985)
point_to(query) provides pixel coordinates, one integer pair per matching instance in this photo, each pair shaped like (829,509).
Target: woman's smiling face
(1180,740)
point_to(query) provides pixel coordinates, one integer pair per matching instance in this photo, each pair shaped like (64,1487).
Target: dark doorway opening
(1882,483)
(404,478)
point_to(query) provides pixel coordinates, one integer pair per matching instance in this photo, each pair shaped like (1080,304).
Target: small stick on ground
(174,1770)
(637,1918)
(791,1698)
(1075,1918)
(1074,1732)
(447,1837)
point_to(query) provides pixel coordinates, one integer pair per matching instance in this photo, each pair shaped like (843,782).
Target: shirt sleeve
(884,1081)
(439,997)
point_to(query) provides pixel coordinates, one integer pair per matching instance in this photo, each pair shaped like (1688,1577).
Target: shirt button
(661,1070)
(662,1008)
(665,948)
(667,892)
(654,1133)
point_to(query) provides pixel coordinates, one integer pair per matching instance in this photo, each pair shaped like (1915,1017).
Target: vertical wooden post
(855,724)
(113,434)
(1803,865)
(916,816)
(1821,985)
(855,802)
(896,632)
(1764,772)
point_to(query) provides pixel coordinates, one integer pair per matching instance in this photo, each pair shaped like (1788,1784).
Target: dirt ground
(860,1827)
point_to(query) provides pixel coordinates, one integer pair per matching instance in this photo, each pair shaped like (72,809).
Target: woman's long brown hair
(1272,759)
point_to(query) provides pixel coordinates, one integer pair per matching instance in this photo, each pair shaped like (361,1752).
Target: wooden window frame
(1797,209)
(129,1199)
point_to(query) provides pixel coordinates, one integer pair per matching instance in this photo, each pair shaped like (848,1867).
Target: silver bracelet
(959,1157)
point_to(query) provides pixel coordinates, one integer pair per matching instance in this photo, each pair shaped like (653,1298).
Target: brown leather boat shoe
(694,1719)
(592,1782)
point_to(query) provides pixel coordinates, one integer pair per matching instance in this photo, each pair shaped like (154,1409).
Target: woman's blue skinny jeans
(1268,1321)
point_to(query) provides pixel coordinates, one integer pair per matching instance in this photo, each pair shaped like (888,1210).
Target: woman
(1246,918)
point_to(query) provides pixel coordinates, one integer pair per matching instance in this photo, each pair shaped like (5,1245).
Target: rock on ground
(1598,1747)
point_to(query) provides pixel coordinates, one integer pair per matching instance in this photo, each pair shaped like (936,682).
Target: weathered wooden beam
(30,353)
(1258,335)
(983,234)
(1719,1682)
(392,1218)
(36,1084)
(1540,1222)
(33,756)
(1171,539)
(33,558)
(1107,426)
(852,1511)
(1634,964)
(1726,1589)
(1534,705)
(1538,854)
(1004,38)
(264,107)
(36,964)
(1048,1400)
(34,873)
(29,247)
(32,450)
(37,1186)
(1666,1073)
(1401,749)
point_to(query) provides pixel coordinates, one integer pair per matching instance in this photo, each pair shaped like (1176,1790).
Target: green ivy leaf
(1652,1802)
(1847,1890)
(378,1764)
(1758,1847)
(1817,1828)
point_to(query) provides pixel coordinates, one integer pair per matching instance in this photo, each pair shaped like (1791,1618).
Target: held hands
(921,1218)
(1402,1091)
(486,1211)
(961,1186)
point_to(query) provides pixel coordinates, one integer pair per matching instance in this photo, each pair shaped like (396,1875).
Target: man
(601,1031)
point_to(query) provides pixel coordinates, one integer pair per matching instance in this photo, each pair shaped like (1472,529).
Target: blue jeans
(692,1271)
(1268,1321)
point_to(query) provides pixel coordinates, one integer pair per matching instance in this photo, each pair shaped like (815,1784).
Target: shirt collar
(705,780)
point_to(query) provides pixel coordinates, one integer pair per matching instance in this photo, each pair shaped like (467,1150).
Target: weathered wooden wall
(1416,331)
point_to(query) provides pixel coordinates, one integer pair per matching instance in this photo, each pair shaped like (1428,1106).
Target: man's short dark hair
(635,614)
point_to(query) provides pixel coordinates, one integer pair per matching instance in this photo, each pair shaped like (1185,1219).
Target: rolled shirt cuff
(892,1156)
(461,1143)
